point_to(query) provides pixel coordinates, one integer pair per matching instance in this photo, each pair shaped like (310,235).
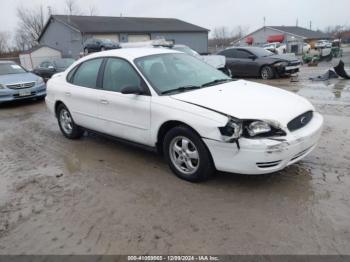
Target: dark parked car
(48,68)
(96,45)
(258,62)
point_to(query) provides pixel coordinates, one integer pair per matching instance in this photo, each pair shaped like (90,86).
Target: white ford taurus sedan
(196,116)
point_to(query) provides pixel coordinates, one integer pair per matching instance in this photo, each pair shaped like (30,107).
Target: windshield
(186,50)
(10,68)
(172,71)
(107,41)
(260,52)
(64,63)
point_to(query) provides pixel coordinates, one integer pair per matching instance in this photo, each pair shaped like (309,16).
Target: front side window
(119,74)
(175,70)
(86,74)
(231,53)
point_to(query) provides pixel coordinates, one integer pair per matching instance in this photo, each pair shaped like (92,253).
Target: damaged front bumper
(266,155)
(287,70)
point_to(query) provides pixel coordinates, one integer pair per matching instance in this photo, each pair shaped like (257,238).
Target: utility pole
(310,25)
(264,20)
(297,22)
(49,10)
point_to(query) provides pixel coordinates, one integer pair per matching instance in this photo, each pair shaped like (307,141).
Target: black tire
(86,51)
(40,98)
(226,71)
(76,131)
(205,167)
(267,72)
(103,48)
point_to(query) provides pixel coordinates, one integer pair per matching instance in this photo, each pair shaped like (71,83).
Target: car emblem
(303,120)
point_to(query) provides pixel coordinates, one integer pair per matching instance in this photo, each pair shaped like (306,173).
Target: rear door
(82,94)
(127,116)
(232,62)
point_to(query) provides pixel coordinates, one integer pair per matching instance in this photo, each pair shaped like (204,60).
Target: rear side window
(119,74)
(87,73)
(229,53)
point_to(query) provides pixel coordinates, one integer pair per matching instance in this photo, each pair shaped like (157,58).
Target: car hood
(248,100)
(17,78)
(284,57)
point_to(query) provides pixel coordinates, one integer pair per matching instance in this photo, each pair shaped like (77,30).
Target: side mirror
(136,90)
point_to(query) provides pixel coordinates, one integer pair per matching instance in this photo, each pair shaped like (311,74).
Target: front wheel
(226,71)
(66,123)
(187,155)
(86,51)
(267,72)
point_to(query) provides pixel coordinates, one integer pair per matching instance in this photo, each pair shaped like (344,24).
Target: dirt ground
(97,196)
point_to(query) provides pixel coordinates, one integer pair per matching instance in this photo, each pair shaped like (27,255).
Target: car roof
(245,47)
(131,53)
(7,62)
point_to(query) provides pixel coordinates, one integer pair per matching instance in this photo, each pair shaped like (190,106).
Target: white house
(33,57)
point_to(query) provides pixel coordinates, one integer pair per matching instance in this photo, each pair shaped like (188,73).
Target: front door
(127,116)
(247,65)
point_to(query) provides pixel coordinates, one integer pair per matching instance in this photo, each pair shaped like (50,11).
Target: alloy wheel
(184,155)
(66,121)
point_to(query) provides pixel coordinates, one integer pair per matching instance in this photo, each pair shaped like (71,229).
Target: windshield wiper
(216,81)
(181,89)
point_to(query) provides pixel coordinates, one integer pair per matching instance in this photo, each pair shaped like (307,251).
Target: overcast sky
(205,13)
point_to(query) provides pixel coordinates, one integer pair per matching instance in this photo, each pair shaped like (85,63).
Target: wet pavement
(97,196)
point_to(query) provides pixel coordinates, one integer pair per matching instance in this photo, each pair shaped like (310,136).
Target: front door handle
(104,101)
(68,94)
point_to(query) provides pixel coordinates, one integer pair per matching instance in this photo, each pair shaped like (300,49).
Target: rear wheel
(187,155)
(267,72)
(66,123)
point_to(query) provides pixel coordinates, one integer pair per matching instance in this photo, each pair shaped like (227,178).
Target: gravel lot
(97,196)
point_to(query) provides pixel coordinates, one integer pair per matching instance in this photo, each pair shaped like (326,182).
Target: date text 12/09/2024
(173,258)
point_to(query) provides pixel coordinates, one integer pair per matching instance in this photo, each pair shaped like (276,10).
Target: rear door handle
(104,101)
(68,94)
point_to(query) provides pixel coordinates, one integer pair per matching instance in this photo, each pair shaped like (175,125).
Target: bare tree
(4,42)
(31,23)
(72,8)
(93,10)
(21,40)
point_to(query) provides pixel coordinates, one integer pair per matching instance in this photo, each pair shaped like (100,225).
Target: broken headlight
(258,128)
(281,64)
(232,130)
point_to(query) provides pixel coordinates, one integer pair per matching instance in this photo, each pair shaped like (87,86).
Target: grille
(293,63)
(21,85)
(268,164)
(300,121)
